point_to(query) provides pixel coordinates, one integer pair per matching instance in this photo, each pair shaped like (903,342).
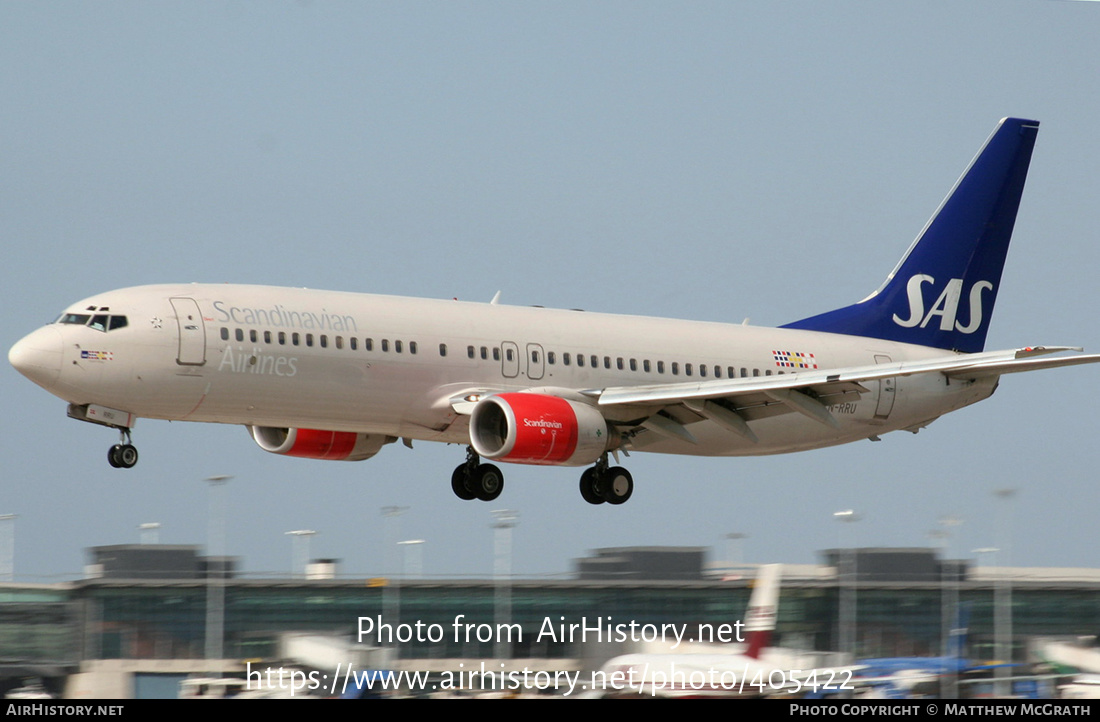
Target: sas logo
(946,306)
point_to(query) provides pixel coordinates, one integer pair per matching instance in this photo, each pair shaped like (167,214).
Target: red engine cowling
(536,429)
(318,444)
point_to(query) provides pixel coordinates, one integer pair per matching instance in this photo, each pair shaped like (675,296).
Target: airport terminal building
(139,619)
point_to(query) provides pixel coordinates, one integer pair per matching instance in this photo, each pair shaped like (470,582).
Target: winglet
(941,293)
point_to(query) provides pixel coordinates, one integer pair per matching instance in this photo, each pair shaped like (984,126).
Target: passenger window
(484,353)
(675,368)
(339,342)
(267,337)
(470,352)
(368,344)
(607,362)
(398,346)
(633,364)
(534,356)
(509,355)
(295,338)
(687,369)
(660,367)
(412,347)
(551,358)
(324,340)
(703,370)
(309,340)
(353,343)
(442,349)
(385,345)
(619,363)
(253,335)
(225,333)
(565,359)
(594,361)
(240,334)
(496,353)
(580,359)
(645,365)
(282,338)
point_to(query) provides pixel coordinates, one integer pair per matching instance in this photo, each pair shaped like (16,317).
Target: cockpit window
(100,322)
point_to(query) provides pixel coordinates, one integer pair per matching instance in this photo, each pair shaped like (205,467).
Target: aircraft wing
(733,402)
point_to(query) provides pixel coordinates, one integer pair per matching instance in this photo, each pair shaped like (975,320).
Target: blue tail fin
(941,293)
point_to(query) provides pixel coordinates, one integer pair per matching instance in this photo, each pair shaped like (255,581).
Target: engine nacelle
(528,428)
(319,444)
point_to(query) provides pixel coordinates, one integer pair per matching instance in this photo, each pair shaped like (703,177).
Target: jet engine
(526,428)
(319,444)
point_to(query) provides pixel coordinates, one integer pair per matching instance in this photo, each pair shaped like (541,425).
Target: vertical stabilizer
(763,609)
(941,293)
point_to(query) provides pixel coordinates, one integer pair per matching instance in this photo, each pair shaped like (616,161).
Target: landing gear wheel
(486,482)
(112,455)
(122,456)
(459,485)
(617,485)
(589,487)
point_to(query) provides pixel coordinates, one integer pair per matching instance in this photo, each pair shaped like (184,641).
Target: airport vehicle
(328,375)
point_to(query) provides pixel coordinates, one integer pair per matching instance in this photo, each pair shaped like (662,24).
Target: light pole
(215,573)
(299,550)
(504,520)
(847,583)
(733,552)
(391,593)
(413,558)
(1003,606)
(7,547)
(949,602)
(149,532)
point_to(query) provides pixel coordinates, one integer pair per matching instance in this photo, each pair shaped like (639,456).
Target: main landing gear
(601,483)
(474,480)
(123,455)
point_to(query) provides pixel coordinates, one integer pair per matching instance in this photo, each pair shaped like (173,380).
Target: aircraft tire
(127,456)
(589,487)
(112,455)
(617,486)
(487,481)
(459,485)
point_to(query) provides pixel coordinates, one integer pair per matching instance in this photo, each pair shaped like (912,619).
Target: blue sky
(702,160)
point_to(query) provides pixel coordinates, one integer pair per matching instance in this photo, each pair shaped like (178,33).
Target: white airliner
(329,375)
(709,670)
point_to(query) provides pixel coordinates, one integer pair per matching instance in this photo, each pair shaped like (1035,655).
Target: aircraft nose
(38,356)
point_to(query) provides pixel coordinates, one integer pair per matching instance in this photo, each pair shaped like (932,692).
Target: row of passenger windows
(622,364)
(296,338)
(485,353)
